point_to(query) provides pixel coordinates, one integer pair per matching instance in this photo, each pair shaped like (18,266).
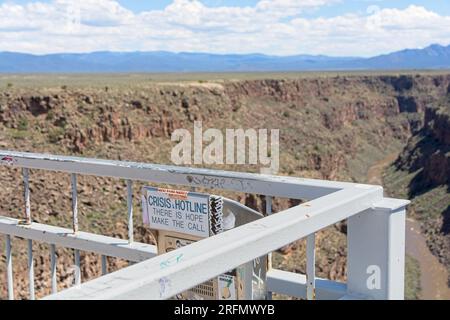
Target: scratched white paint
(166,275)
(278,186)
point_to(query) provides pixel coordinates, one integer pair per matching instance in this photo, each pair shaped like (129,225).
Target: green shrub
(50,116)
(19,135)
(55,135)
(23,124)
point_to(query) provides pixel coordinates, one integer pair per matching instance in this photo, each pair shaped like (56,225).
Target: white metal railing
(375,234)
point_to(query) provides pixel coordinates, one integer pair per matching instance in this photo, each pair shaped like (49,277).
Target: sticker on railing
(227,287)
(177,211)
(8,160)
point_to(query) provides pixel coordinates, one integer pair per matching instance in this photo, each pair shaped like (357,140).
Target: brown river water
(433,275)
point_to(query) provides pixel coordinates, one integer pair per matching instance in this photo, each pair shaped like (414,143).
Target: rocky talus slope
(330,128)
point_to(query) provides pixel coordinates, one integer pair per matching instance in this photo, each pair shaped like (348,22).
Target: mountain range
(432,57)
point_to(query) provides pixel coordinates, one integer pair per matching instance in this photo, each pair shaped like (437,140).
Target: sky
(274,27)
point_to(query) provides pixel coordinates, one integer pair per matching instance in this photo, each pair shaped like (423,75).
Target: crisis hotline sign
(176,210)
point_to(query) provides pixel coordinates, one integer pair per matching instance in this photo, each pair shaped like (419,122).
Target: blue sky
(279,27)
(345,6)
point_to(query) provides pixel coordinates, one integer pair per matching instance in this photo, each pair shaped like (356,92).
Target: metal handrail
(330,203)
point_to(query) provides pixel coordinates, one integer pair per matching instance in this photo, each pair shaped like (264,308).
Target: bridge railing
(375,234)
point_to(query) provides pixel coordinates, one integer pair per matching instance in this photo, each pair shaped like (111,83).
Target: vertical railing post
(75,227)
(104,265)
(74,203)
(311,267)
(376,251)
(77,268)
(269,256)
(26,185)
(53,268)
(9,270)
(130,211)
(31,269)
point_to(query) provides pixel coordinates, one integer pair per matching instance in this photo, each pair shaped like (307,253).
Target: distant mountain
(432,57)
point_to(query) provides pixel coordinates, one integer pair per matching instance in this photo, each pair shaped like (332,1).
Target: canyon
(332,126)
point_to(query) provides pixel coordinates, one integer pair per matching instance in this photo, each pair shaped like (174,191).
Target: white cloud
(290,7)
(271,26)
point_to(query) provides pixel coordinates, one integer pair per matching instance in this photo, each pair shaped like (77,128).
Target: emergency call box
(178,218)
